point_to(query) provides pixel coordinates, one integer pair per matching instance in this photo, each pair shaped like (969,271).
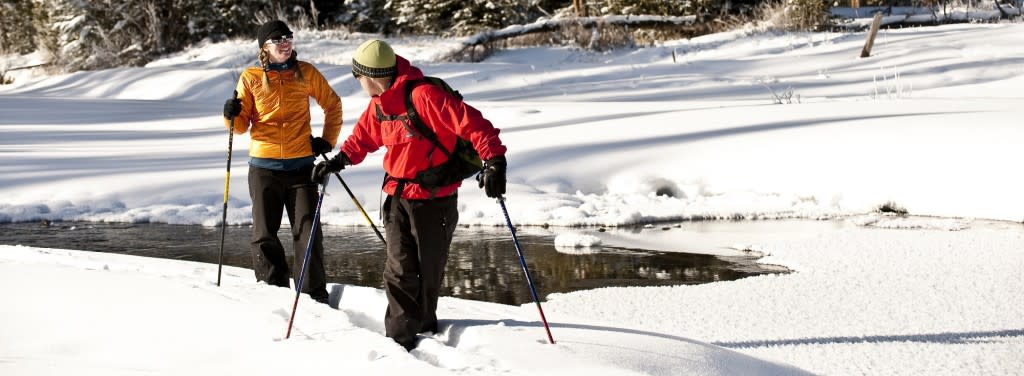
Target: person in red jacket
(419,220)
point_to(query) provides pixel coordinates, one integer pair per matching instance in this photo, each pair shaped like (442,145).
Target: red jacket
(408,152)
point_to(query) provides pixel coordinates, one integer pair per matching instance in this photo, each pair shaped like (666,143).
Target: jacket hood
(392,100)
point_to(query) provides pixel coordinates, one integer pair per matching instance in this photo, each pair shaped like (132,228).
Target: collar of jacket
(282,66)
(392,100)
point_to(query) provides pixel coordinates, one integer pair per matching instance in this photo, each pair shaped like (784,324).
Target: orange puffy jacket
(278,118)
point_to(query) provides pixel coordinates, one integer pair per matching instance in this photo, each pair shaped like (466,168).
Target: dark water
(483,264)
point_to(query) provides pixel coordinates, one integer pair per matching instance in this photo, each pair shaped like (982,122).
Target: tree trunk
(870,42)
(581,8)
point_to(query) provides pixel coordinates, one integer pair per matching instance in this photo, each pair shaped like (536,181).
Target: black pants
(419,234)
(271,192)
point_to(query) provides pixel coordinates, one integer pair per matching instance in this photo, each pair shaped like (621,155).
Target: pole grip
(227,180)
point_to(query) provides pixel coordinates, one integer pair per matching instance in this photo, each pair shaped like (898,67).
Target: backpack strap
(417,122)
(381,117)
(412,117)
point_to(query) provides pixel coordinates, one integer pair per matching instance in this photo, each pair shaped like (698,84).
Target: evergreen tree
(237,17)
(461,17)
(368,16)
(17,32)
(645,7)
(426,16)
(106,33)
(96,34)
(73,32)
(194,20)
(477,15)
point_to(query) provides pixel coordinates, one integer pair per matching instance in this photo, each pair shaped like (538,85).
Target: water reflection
(483,264)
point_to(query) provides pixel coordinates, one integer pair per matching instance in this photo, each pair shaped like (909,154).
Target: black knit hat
(272,30)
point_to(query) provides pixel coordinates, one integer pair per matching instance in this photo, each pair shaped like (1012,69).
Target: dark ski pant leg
(268,197)
(272,192)
(301,204)
(419,235)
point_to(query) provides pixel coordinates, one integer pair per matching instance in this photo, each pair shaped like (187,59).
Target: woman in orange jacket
(272,104)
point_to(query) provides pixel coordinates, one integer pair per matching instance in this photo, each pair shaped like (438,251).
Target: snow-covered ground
(927,123)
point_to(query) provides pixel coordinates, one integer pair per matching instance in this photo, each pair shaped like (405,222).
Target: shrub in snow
(891,207)
(805,15)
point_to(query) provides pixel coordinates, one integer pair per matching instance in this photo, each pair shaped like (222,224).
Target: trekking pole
(309,251)
(522,261)
(360,207)
(227,182)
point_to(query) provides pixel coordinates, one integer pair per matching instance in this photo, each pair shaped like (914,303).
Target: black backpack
(462,163)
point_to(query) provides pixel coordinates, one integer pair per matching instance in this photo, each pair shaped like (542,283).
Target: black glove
(323,170)
(320,145)
(492,178)
(232,107)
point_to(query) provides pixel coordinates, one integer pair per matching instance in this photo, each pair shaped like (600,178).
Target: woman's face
(279,49)
(374,86)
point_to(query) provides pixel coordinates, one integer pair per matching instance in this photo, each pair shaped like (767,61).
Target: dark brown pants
(271,192)
(419,234)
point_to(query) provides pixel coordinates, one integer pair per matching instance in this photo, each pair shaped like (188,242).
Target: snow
(865,301)
(576,243)
(686,130)
(136,315)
